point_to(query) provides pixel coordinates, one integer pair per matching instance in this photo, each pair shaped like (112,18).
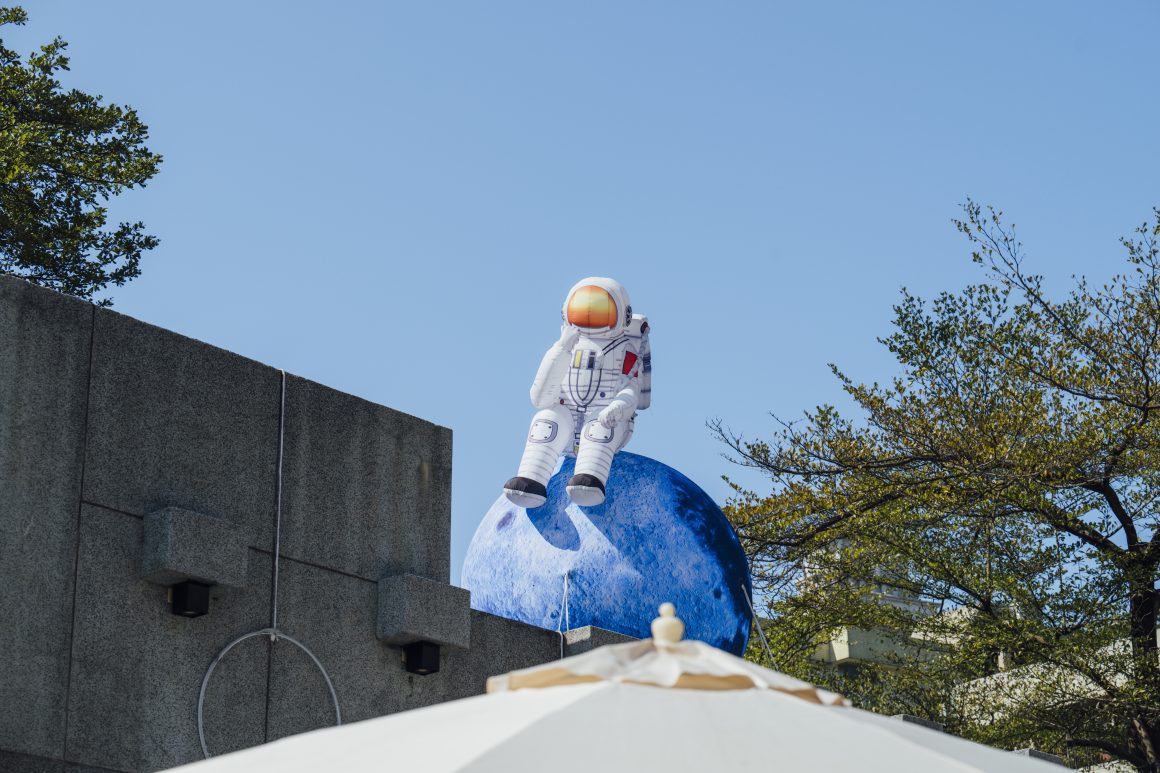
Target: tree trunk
(1143,606)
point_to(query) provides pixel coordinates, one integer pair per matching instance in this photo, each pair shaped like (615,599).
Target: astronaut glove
(612,414)
(569,335)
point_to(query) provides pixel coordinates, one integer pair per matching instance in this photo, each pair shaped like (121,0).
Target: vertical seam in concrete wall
(283,384)
(77,539)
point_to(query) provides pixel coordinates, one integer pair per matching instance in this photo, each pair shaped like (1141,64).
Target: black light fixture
(189,598)
(421,657)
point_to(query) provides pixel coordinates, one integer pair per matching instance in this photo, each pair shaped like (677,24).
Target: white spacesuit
(588,389)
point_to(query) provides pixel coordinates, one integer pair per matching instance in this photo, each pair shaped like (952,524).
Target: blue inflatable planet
(658,537)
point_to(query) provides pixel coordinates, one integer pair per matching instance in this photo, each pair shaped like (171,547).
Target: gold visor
(592,307)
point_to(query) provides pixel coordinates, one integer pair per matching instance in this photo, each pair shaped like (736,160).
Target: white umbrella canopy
(659,704)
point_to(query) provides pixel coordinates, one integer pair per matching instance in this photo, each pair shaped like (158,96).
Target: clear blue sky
(393,198)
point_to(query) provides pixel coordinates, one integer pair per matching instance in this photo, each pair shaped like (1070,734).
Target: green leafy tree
(63,155)
(989,517)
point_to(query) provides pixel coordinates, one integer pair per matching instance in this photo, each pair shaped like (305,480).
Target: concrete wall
(104,420)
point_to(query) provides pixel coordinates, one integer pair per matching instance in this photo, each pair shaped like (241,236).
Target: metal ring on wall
(274,635)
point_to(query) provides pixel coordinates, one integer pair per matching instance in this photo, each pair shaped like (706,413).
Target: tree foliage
(63,155)
(991,513)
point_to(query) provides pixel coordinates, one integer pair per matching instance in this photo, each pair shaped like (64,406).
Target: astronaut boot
(586,490)
(526,492)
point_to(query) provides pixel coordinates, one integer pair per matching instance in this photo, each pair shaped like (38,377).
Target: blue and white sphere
(658,537)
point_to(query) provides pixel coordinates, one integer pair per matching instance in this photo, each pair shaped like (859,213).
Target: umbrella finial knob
(668,628)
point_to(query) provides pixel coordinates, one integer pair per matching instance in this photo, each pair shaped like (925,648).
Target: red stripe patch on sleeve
(629,361)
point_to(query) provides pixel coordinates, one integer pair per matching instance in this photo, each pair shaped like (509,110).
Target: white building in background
(850,647)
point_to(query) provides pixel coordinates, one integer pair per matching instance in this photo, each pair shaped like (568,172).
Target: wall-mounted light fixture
(421,657)
(421,616)
(189,598)
(189,553)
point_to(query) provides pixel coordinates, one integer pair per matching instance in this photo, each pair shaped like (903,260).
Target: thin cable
(278,512)
(760,630)
(272,631)
(562,619)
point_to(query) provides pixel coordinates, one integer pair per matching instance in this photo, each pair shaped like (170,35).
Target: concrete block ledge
(413,608)
(927,723)
(1035,754)
(580,640)
(184,545)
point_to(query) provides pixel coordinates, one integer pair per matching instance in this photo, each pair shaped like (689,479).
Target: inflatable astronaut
(588,389)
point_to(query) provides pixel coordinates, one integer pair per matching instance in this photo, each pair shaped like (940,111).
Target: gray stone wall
(105,420)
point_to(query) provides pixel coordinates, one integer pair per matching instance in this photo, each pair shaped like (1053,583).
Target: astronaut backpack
(638,332)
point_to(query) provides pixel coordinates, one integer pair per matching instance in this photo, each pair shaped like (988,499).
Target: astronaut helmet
(598,306)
